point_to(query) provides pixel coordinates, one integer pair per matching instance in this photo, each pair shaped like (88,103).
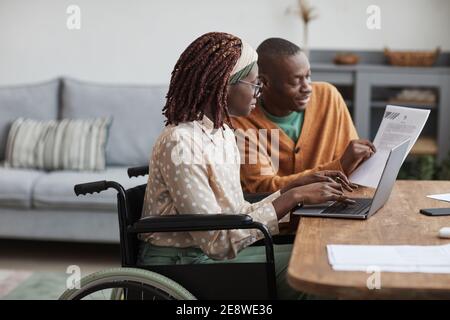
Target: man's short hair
(277,46)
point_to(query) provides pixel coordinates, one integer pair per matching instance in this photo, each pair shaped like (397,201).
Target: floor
(57,256)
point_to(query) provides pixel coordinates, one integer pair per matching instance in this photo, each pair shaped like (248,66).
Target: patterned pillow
(58,145)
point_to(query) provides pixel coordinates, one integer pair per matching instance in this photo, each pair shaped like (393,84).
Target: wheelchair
(218,281)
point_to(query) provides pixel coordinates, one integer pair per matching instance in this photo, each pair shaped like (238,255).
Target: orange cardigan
(327,130)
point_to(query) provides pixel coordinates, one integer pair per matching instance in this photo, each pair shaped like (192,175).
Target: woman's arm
(191,192)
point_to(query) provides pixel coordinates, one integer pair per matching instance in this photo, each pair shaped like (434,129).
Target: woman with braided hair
(194,166)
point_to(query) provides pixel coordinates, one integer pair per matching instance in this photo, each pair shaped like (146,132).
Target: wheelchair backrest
(129,243)
(135,199)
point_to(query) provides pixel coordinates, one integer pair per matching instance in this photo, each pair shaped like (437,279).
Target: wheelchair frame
(243,280)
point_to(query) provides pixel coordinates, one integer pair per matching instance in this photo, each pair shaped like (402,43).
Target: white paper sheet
(398,125)
(369,173)
(441,197)
(426,259)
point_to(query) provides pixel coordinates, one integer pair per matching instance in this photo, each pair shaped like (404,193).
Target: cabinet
(368,87)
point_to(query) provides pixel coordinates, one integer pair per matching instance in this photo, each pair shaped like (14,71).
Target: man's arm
(254,181)
(350,150)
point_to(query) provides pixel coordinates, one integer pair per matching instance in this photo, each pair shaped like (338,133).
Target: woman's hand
(321,192)
(322,176)
(313,193)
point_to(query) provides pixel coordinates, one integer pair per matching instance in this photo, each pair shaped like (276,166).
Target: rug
(29,285)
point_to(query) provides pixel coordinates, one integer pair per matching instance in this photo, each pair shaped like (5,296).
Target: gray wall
(138,41)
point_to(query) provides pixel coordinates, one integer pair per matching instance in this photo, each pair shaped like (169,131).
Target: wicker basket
(412,58)
(346,58)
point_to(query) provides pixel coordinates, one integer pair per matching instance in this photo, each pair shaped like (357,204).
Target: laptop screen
(389,176)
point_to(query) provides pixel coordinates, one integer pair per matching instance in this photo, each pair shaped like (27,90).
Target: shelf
(425,146)
(383,104)
(368,87)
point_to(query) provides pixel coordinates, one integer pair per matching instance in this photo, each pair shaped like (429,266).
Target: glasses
(257,88)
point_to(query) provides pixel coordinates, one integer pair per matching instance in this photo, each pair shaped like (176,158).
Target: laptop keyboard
(360,207)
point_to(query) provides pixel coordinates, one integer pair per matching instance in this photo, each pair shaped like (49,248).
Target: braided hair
(200,79)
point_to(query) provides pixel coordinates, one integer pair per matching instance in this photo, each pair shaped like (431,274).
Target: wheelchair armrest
(204,222)
(255,197)
(192,222)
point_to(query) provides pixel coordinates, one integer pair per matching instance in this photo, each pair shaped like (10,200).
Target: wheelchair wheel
(127,284)
(117,294)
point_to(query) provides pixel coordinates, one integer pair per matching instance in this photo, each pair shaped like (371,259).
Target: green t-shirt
(290,124)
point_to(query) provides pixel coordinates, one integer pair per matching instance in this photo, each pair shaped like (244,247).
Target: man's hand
(356,153)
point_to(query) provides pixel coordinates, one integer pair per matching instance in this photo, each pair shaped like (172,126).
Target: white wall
(138,41)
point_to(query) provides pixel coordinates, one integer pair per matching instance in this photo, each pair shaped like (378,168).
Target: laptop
(364,207)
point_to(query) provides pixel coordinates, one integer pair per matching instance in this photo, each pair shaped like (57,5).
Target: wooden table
(397,223)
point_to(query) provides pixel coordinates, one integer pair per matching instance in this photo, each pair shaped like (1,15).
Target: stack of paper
(426,259)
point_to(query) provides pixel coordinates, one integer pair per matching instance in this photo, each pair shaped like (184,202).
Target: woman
(194,167)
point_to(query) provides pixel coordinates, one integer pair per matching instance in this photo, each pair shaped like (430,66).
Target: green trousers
(156,255)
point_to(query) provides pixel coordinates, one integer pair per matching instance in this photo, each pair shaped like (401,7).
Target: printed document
(398,125)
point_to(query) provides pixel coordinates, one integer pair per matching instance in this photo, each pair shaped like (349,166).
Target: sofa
(42,205)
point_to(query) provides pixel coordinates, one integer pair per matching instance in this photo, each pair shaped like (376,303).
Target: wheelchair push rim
(145,284)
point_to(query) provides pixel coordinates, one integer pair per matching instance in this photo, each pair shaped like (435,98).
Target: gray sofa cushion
(55,189)
(136,112)
(35,101)
(60,225)
(16,187)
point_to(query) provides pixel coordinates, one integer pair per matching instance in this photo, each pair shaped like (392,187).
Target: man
(314,126)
